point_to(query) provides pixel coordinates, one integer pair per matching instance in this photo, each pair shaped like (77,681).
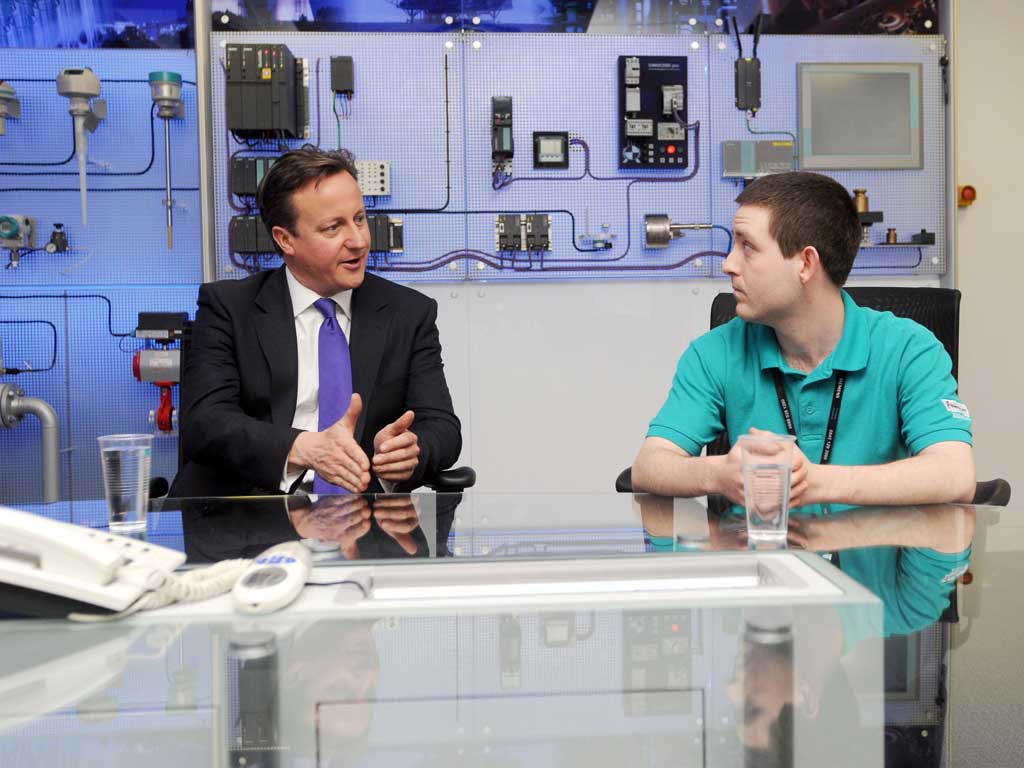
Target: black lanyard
(833,415)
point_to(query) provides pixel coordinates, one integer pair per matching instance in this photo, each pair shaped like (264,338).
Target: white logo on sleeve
(955,574)
(957,409)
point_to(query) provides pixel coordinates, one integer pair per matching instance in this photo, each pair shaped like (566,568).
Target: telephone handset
(51,568)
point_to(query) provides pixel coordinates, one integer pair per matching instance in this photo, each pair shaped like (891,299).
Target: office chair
(937,309)
(455,480)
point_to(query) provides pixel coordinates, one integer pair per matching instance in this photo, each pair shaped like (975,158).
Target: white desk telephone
(53,569)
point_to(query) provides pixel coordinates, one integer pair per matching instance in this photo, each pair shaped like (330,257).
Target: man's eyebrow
(330,220)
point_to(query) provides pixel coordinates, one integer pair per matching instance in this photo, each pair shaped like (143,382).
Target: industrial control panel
(266,92)
(652,112)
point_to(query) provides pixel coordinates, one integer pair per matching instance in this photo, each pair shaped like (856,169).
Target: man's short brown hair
(809,209)
(291,171)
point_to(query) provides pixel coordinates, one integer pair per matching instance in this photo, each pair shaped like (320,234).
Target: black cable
(109,189)
(152,158)
(53,357)
(110,307)
(915,265)
(739,43)
(447,159)
(728,233)
(71,156)
(62,162)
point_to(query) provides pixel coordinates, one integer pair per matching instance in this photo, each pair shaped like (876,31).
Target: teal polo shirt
(913,583)
(900,394)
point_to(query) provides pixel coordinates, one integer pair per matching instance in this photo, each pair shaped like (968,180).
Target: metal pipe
(201,14)
(13,406)
(167,175)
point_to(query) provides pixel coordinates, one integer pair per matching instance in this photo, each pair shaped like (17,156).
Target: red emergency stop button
(966,195)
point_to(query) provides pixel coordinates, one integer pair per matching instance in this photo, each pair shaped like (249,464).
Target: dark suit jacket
(239,383)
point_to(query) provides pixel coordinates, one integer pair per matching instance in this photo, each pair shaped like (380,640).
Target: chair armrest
(995,493)
(452,480)
(624,482)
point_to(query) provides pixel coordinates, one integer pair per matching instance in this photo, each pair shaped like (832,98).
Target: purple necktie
(335,380)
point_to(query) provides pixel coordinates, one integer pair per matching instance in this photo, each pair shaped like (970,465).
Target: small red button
(671,149)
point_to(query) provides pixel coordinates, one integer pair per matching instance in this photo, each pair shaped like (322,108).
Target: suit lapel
(371,319)
(275,330)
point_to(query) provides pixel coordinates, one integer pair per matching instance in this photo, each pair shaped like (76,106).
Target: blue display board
(68,318)
(422,102)
(431,120)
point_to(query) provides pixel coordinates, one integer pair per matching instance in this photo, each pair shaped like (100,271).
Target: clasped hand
(800,482)
(337,457)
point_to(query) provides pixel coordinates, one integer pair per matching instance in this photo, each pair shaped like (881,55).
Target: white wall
(555,383)
(989,113)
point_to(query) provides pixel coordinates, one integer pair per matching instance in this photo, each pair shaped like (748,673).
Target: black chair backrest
(937,309)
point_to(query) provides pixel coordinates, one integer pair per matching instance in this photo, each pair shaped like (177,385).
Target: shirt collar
(850,354)
(303,298)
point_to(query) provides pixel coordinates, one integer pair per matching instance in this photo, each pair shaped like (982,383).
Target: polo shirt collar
(303,298)
(850,354)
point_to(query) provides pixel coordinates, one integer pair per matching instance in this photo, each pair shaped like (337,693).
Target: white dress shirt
(307,341)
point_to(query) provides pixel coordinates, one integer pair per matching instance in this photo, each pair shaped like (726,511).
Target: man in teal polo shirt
(799,344)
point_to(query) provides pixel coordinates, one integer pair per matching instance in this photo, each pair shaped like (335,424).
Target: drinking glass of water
(126,463)
(767,466)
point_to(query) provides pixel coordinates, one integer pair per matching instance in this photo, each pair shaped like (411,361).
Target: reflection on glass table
(912,558)
(671,684)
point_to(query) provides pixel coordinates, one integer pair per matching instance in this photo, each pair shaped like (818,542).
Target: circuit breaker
(531,232)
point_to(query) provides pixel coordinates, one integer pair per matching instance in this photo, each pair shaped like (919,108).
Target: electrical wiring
(149,165)
(337,117)
(65,295)
(796,151)
(582,265)
(694,127)
(71,156)
(575,264)
(920,258)
(53,356)
(447,157)
(728,233)
(108,189)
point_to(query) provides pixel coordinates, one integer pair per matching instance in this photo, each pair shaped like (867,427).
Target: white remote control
(274,579)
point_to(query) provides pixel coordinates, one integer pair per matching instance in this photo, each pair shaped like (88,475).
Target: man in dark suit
(260,389)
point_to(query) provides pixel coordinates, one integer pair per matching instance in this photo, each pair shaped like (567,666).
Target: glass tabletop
(924,675)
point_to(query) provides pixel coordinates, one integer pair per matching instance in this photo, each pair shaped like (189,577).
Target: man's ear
(806,700)
(284,239)
(810,263)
